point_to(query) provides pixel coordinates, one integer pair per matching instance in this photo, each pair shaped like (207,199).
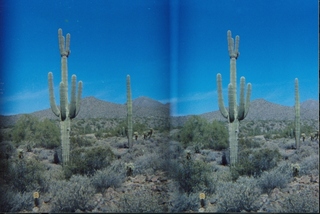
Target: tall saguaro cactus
(129,112)
(297,113)
(66,112)
(235,113)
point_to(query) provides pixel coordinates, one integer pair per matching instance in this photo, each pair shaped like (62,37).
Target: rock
(140,179)
(155,179)
(35,209)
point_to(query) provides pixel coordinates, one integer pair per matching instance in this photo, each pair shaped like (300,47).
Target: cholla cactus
(295,169)
(314,135)
(129,168)
(235,113)
(202,196)
(36,199)
(136,135)
(67,111)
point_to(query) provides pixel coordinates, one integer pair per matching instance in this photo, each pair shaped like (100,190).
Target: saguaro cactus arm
(53,105)
(244,104)
(222,108)
(233,48)
(75,100)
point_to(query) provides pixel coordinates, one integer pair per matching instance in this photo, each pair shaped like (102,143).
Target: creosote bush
(242,195)
(112,176)
(140,200)
(86,161)
(198,130)
(41,133)
(192,176)
(254,162)
(68,196)
(278,177)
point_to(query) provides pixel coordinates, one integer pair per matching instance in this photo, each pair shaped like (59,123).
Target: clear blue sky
(172,50)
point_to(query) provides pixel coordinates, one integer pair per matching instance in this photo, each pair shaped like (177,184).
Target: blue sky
(172,50)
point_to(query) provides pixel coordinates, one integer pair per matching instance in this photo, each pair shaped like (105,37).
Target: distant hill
(261,109)
(92,107)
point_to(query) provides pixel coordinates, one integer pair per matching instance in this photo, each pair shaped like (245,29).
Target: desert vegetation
(163,173)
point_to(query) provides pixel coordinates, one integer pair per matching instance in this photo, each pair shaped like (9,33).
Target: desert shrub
(171,151)
(198,130)
(210,156)
(140,200)
(193,176)
(305,201)
(254,162)
(245,143)
(86,161)
(147,164)
(27,175)
(113,176)
(278,177)
(43,133)
(77,142)
(13,201)
(7,149)
(25,128)
(310,165)
(68,196)
(182,202)
(47,134)
(238,196)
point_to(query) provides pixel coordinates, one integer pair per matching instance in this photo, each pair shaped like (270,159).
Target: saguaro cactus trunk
(235,113)
(297,114)
(66,111)
(129,112)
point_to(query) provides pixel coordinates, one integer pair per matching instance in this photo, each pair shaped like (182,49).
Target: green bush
(13,201)
(47,134)
(304,201)
(278,177)
(182,202)
(86,161)
(198,130)
(39,133)
(140,200)
(27,175)
(68,196)
(193,176)
(254,162)
(238,196)
(25,128)
(113,176)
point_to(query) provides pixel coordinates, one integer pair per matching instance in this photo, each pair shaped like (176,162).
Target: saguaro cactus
(66,111)
(235,113)
(297,113)
(129,112)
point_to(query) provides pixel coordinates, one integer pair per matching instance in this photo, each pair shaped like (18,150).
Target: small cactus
(20,154)
(129,168)
(136,135)
(295,169)
(36,199)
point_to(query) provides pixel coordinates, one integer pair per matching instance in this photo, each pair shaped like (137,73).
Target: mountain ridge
(91,107)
